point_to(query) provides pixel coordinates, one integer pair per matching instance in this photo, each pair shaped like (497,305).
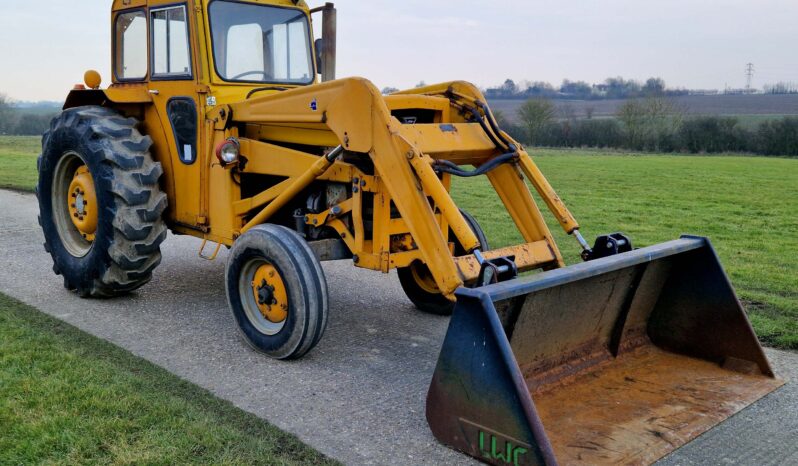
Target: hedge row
(705,134)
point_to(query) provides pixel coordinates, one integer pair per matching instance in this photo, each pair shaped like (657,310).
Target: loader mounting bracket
(496,270)
(608,245)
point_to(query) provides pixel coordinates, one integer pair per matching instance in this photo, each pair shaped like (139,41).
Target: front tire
(419,285)
(99,201)
(277,292)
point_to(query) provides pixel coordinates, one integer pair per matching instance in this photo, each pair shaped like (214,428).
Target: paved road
(359,397)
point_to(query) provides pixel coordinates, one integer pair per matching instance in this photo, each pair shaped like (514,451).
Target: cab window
(258,43)
(171,53)
(131,46)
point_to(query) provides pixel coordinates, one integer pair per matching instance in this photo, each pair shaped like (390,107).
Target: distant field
(764,106)
(746,205)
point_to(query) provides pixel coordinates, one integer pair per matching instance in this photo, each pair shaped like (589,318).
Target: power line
(749,75)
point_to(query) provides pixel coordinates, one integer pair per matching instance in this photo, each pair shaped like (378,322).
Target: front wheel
(419,285)
(277,292)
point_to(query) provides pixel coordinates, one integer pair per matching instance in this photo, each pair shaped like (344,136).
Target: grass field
(18,155)
(746,205)
(67,398)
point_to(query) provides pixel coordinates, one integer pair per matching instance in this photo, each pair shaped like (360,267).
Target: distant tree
(540,89)
(31,124)
(650,123)
(778,137)
(7,115)
(589,111)
(421,84)
(781,88)
(390,90)
(576,89)
(654,87)
(619,88)
(535,115)
(510,88)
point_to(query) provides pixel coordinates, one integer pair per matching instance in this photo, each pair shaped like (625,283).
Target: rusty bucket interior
(616,361)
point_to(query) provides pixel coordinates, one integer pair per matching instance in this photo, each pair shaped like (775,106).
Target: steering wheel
(247,73)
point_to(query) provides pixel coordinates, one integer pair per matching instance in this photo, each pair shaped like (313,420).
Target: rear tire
(123,249)
(296,273)
(420,287)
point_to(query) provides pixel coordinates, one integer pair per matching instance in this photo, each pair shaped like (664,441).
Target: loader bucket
(619,360)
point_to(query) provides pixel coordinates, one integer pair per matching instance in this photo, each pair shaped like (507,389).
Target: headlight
(228,151)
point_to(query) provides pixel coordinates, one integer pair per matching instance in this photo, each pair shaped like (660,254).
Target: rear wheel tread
(121,165)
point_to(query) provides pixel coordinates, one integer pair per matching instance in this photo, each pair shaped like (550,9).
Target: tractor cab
(234,44)
(173,62)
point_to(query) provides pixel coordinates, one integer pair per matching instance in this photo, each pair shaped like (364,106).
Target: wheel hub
(270,294)
(82,202)
(424,278)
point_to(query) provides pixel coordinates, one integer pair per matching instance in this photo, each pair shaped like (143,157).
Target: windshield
(260,44)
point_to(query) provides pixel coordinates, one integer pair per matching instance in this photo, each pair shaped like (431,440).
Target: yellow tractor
(217,125)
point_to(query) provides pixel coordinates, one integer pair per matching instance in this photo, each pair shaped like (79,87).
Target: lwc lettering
(510,454)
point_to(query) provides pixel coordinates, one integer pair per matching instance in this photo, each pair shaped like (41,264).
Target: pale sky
(48,44)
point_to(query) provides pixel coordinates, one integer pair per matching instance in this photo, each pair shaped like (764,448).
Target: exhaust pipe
(326,47)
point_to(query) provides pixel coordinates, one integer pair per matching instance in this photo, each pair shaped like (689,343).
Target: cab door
(174,89)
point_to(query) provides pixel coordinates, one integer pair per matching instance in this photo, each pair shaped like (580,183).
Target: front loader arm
(470,99)
(407,160)
(355,111)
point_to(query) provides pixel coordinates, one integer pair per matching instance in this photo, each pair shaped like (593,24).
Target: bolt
(73,206)
(85,202)
(76,215)
(410,154)
(356,258)
(363,184)
(74,195)
(271,274)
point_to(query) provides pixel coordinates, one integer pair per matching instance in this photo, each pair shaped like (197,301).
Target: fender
(126,94)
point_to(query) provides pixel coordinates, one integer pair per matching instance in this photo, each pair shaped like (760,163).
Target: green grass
(745,205)
(18,156)
(67,397)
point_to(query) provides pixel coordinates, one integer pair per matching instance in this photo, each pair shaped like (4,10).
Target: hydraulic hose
(495,126)
(446,166)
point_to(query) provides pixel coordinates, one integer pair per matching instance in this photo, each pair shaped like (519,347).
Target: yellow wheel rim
(270,294)
(423,278)
(82,202)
